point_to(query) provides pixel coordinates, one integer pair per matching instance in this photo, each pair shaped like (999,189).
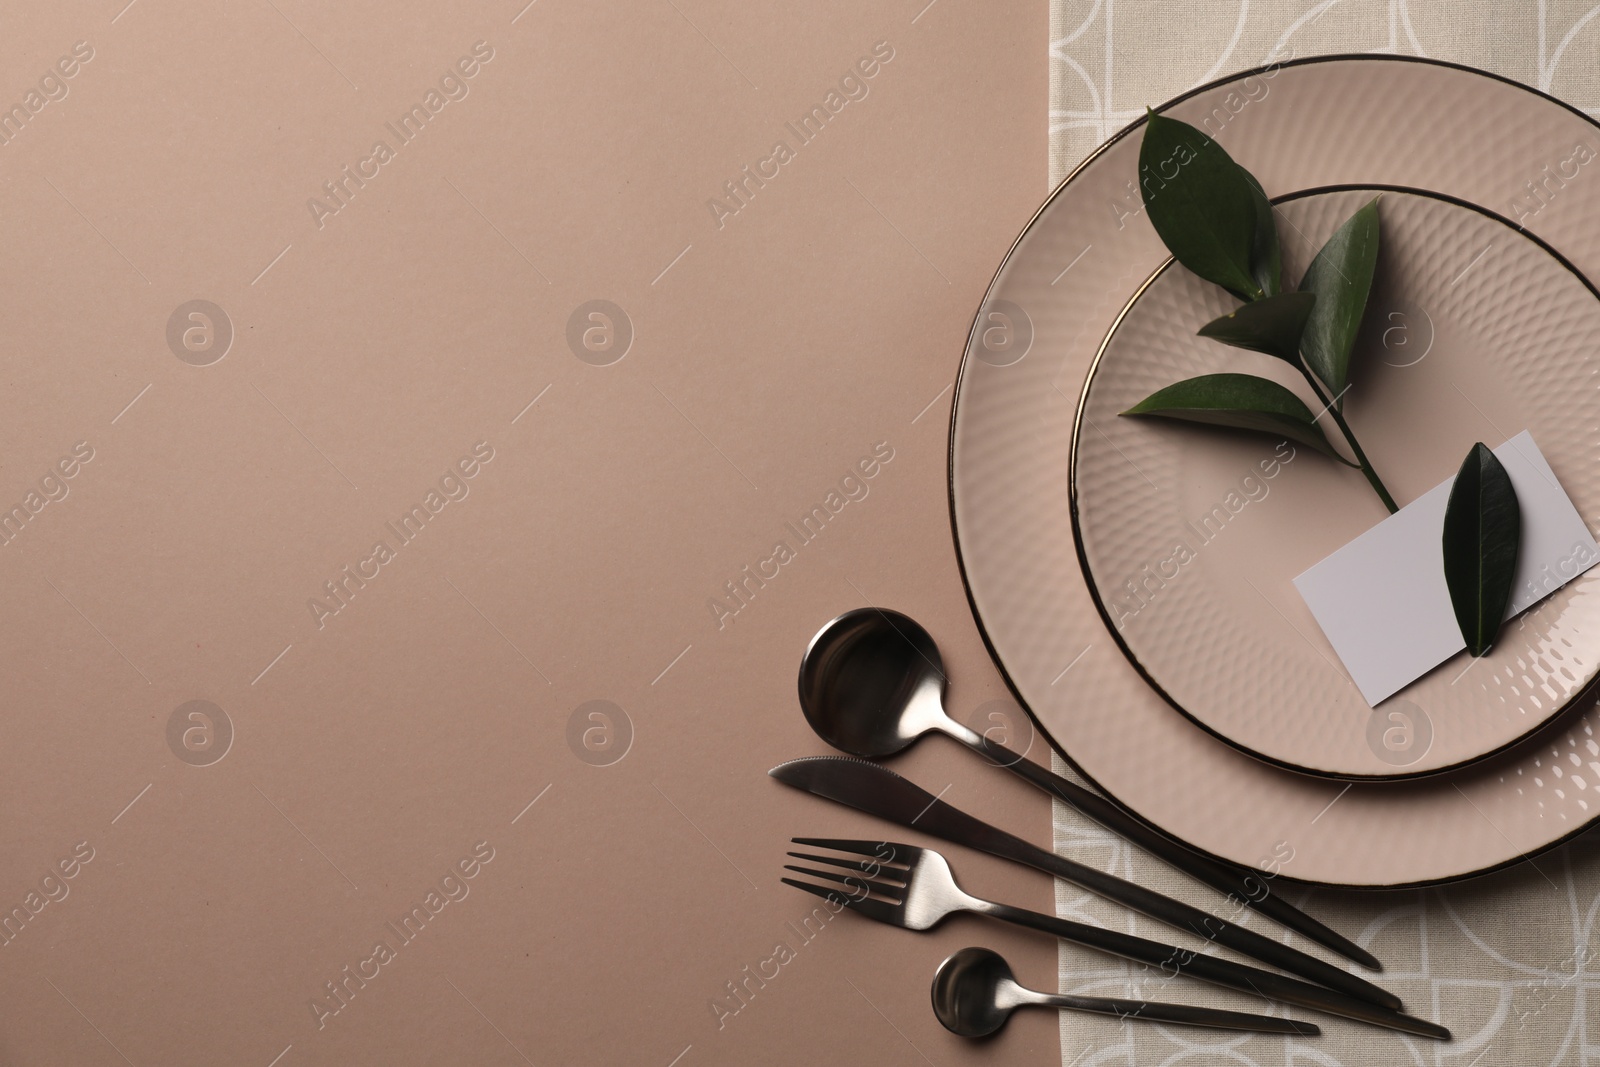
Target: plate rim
(955,409)
(1582,693)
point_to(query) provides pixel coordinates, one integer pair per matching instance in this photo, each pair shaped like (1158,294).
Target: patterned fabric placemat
(1505,961)
(1111,58)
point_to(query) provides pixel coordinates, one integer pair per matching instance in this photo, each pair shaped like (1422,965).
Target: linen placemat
(1505,961)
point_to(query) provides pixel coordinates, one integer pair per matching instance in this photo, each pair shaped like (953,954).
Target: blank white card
(1382,599)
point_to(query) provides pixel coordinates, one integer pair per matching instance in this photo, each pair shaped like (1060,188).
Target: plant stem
(1355,446)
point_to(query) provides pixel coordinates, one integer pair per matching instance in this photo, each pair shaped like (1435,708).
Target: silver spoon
(872,682)
(974,993)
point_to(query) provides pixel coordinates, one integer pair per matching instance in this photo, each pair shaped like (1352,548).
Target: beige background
(1507,961)
(431,713)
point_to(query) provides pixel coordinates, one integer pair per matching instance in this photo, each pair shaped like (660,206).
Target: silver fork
(912,887)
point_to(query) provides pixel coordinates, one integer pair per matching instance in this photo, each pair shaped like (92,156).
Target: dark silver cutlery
(872,682)
(974,993)
(879,791)
(912,887)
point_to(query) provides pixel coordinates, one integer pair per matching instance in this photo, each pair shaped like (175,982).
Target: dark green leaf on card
(1200,202)
(1482,535)
(1240,402)
(1272,325)
(1341,277)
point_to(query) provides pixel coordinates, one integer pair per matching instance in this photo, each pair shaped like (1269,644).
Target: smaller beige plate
(1191,536)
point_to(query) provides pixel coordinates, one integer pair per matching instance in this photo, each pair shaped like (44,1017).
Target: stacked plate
(1134,581)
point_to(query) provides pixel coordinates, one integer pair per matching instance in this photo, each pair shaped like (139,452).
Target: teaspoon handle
(1175,961)
(1181,1014)
(1248,888)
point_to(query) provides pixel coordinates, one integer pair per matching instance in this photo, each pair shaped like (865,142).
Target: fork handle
(1176,961)
(1250,889)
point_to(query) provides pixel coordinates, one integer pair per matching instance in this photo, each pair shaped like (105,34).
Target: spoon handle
(1175,961)
(1182,1014)
(1248,888)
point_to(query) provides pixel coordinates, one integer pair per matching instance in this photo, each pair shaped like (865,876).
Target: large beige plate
(1320,122)
(1191,539)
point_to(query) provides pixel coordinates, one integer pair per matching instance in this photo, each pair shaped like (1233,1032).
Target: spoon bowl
(872,682)
(969,992)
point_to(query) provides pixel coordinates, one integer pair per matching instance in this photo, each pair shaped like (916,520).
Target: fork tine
(904,855)
(860,867)
(873,909)
(891,891)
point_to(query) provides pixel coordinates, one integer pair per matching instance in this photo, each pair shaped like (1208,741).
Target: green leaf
(1241,402)
(1272,325)
(1482,533)
(1266,257)
(1341,276)
(1200,202)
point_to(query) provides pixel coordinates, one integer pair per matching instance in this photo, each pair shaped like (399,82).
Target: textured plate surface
(1192,537)
(1328,121)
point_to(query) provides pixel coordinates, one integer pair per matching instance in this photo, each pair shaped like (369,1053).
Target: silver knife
(878,791)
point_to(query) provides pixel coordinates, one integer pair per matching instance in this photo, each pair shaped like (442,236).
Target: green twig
(1350,439)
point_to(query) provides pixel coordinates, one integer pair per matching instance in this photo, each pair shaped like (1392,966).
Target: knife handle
(1162,908)
(1173,961)
(1251,889)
